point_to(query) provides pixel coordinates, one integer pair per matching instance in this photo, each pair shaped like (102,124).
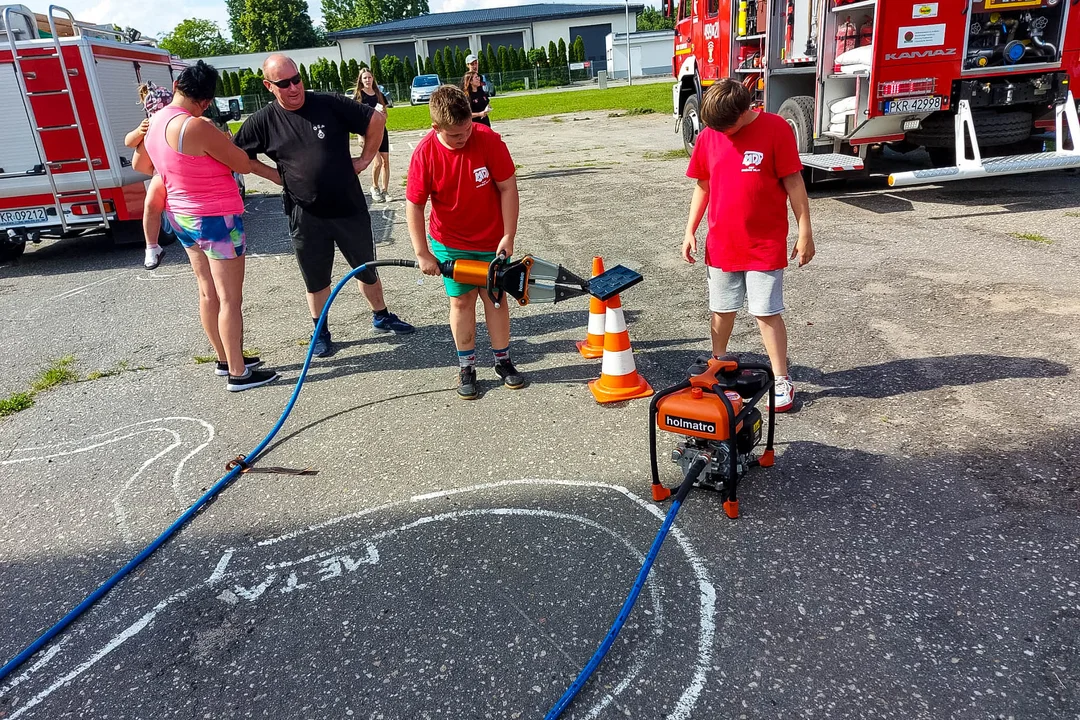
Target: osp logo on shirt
(751,161)
(483,177)
(319,130)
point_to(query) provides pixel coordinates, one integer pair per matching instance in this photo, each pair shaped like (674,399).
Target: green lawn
(655,97)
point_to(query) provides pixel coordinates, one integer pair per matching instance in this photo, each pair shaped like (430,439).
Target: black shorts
(385,146)
(314,238)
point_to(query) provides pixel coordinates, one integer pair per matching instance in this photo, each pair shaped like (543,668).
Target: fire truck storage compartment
(1014,34)
(848,30)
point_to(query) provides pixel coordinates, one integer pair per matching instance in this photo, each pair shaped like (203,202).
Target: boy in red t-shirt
(747,169)
(467,173)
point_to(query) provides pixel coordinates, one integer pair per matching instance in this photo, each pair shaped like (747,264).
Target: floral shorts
(221,237)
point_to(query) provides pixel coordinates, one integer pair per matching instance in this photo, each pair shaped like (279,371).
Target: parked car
(422,87)
(489,87)
(351,94)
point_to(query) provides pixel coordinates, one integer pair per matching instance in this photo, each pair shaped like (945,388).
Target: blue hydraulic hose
(624,613)
(220,485)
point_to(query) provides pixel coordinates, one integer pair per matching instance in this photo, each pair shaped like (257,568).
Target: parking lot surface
(912,554)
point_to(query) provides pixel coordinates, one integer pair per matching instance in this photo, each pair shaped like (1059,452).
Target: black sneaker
(323,346)
(391,323)
(253,379)
(467,383)
(509,374)
(222,369)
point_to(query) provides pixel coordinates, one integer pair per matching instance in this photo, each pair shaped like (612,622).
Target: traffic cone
(619,378)
(593,344)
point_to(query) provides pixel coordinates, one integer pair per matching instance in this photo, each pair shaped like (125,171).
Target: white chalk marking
(228,597)
(707,602)
(219,571)
(291,584)
(34,668)
(131,631)
(252,594)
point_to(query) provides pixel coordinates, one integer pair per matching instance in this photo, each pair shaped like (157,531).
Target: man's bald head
(279,69)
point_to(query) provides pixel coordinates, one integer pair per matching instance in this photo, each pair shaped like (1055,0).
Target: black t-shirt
(370,100)
(479,101)
(311,149)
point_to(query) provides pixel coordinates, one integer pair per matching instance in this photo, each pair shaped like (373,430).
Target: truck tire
(691,122)
(126,232)
(799,113)
(10,252)
(992,128)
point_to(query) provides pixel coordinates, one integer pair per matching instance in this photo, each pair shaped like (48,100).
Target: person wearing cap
(473,62)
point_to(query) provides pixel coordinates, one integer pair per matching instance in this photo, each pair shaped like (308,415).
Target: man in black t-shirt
(306,134)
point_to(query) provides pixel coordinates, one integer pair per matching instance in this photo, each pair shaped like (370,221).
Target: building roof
(515,14)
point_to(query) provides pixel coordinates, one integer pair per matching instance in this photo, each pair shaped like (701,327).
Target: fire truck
(958,77)
(66,103)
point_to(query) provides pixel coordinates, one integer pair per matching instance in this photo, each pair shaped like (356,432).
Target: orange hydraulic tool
(531,279)
(714,409)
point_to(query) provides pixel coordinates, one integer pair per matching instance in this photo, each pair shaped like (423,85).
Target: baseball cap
(470,59)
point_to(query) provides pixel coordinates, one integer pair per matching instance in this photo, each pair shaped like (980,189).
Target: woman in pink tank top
(196,161)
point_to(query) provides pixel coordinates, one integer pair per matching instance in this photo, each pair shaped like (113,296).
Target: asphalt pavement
(912,554)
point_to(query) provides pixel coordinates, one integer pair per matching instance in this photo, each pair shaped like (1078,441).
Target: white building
(650,53)
(521,26)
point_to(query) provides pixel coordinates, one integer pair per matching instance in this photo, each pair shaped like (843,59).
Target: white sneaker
(783,394)
(153,257)
(376,196)
(385,196)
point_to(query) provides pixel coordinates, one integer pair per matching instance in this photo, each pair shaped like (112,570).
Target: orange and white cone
(593,344)
(619,378)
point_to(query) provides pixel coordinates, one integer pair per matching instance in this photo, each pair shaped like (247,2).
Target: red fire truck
(958,77)
(65,105)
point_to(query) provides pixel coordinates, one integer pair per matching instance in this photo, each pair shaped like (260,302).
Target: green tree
(503,59)
(578,50)
(236,10)
(440,66)
(273,25)
(552,54)
(335,77)
(219,89)
(481,63)
(376,68)
(354,73)
(521,60)
(391,69)
(305,77)
(492,59)
(347,14)
(534,56)
(194,38)
(409,73)
(460,68)
(562,53)
(652,19)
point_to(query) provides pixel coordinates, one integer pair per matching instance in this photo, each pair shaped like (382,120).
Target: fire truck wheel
(9,252)
(992,128)
(799,113)
(691,123)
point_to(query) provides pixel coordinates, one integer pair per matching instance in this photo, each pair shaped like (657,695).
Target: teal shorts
(443,253)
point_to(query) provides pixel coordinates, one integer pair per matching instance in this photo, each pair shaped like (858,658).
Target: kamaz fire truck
(66,104)
(962,78)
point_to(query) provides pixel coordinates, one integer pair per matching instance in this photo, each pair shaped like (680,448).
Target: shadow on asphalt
(561,173)
(898,377)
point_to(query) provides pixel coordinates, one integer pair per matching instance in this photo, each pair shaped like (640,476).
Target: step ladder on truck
(980,84)
(66,103)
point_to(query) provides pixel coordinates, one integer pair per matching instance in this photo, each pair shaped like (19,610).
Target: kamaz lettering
(912,54)
(687,424)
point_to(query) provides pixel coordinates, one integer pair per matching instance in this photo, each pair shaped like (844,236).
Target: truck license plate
(913,105)
(9,218)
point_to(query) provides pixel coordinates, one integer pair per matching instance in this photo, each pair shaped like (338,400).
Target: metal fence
(532,79)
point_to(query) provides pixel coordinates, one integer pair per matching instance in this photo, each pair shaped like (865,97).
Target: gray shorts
(763,291)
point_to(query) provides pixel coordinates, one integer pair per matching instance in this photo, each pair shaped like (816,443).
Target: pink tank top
(199,186)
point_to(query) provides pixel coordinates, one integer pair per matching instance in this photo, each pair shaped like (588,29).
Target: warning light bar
(900,88)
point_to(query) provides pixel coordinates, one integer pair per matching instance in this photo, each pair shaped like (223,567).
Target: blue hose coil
(220,485)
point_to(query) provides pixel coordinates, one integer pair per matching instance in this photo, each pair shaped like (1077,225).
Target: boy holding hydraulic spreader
(466,171)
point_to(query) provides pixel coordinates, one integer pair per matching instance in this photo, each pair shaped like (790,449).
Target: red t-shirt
(465,209)
(748,218)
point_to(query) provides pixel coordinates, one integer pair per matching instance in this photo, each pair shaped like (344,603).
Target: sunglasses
(294,80)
